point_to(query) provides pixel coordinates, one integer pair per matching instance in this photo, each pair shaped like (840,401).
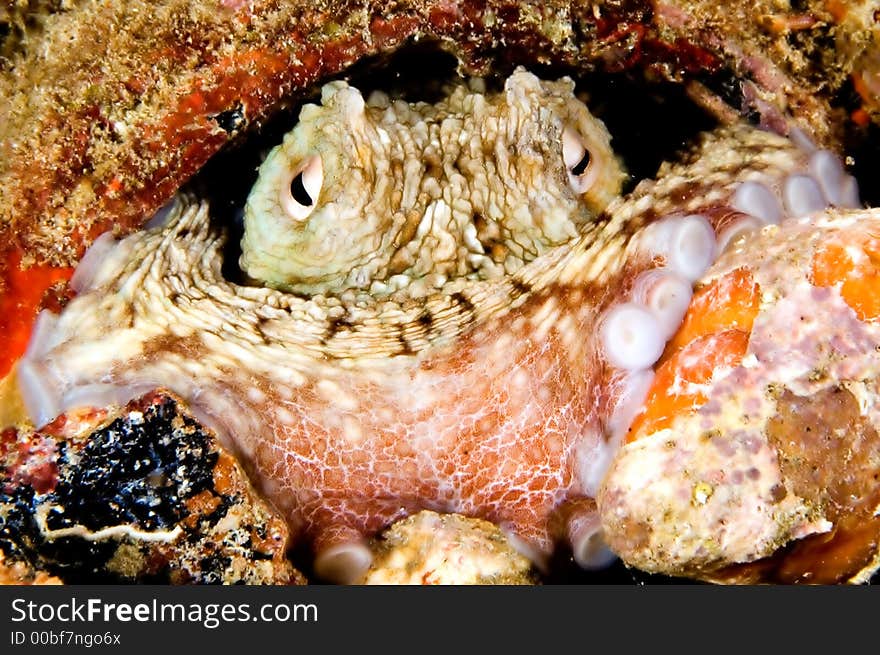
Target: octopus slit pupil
(298,191)
(581,166)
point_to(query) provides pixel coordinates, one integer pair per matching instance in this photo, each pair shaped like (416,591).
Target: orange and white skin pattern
(446,307)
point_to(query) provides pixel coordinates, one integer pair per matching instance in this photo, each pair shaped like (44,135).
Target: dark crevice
(862,145)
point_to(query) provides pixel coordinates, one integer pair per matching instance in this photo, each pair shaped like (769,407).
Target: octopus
(448,307)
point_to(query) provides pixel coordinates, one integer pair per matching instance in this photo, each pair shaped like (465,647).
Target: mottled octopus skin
(786,450)
(410,195)
(488,397)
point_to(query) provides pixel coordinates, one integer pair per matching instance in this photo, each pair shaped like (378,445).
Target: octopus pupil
(298,191)
(581,166)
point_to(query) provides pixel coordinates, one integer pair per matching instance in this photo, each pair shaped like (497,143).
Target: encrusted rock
(435,549)
(144,494)
(757,456)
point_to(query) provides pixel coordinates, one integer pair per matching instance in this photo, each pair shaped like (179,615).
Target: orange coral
(713,336)
(23,298)
(856,269)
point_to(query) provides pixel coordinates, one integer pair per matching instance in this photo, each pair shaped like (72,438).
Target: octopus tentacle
(584,532)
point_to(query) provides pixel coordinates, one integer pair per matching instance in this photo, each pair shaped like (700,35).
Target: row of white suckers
(633,334)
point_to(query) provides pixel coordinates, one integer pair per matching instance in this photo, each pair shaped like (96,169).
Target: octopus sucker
(476,337)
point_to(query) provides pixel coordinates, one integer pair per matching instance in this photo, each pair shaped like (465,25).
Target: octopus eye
(299,197)
(582,171)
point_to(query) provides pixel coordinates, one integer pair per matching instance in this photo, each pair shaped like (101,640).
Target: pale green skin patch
(406,196)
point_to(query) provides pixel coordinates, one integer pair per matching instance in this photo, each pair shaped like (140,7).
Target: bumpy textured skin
(786,446)
(426,192)
(488,397)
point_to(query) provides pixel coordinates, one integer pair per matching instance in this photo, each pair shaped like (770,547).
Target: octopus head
(377,194)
